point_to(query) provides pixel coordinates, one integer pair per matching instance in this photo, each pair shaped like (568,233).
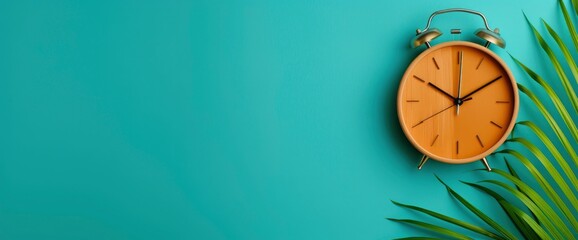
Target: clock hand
(483,86)
(442,91)
(441,111)
(460,82)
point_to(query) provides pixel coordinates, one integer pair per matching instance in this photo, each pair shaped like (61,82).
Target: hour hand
(442,91)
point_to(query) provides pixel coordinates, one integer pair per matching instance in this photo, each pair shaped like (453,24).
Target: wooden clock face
(457,102)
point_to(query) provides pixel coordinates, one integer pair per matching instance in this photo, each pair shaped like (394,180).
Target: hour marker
(434,141)
(480,140)
(412,100)
(502,101)
(480,63)
(495,124)
(416,77)
(457,147)
(436,63)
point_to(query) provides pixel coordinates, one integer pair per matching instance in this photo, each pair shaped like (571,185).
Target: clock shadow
(392,128)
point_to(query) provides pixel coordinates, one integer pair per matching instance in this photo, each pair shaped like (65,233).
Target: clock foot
(422,162)
(485,161)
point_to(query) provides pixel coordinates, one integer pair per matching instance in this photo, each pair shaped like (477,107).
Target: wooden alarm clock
(457,101)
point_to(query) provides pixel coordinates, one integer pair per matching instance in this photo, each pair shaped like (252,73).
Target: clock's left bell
(425,37)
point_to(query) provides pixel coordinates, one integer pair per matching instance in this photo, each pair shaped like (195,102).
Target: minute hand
(480,88)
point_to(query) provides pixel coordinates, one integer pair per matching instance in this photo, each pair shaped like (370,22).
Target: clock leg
(485,161)
(422,162)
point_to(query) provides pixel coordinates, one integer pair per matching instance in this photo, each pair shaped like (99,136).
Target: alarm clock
(457,101)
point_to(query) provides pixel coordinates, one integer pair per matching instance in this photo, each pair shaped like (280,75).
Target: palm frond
(569,22)
(516,176)
(544,184)
(528,191)
(552,170)
(555,226)
(548,143)
(451,220)
(536,228)
(557,66)
(566,117)
(478,212)
(432,227)
(550,119)
(567,55)
(526,226)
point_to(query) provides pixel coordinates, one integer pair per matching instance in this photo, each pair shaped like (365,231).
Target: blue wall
(222,119)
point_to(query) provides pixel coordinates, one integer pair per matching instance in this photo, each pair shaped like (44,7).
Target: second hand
(435,114)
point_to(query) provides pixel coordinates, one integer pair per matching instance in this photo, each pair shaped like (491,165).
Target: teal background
(223,119)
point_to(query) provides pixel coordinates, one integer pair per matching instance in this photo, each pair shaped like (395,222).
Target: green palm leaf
(554,225)
(544,184)
(567,55)
(451,220)
(557,66)
(550,119)
(552,170)
(431,227)
(527,219)
(478,212)
(535,197)
(553,96)
(523,227)
(517,177)
(530,231)
(548,143)
(569,22)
